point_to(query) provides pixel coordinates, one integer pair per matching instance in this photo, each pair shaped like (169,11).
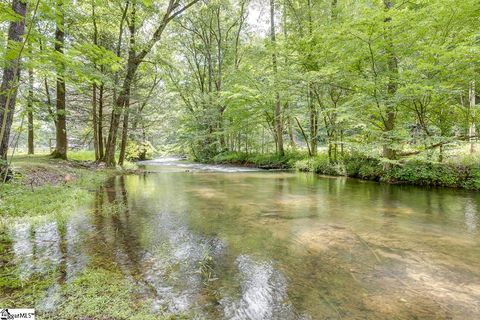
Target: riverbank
(43,186)
(462,174)
(38,205)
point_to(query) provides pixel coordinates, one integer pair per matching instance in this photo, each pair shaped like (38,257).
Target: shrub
(230,157)
(321,165)
(363,167)
(428,174)
(472,180)
(266,160)
(139,150)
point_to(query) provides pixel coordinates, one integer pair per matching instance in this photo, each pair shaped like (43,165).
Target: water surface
(224,243)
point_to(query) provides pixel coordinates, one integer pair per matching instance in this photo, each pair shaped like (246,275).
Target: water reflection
(23,250)
(471,215)
(257,245)
(263,293)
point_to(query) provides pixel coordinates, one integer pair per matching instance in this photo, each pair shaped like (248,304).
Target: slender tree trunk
(313,122)
(95,121)
(472,130)
(94,91)
(119,101)
(304,137)
(123,145)
(392,63)
(286,106)
(278,107)
(100,123)
(133,62)
(11,75)
(61,123)
(30,112)
(293,145)
(313,112)
(341,143)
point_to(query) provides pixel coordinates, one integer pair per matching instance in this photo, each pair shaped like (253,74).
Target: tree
(278,120)
(11,73)
(60,116)
(134,60)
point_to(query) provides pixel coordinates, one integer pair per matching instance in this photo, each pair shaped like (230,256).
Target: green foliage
(139,150)
(266,161)
(7,13)
(320,164)
(362,167)
(414,172)
(429,174)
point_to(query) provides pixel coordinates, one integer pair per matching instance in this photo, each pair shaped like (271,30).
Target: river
(219,242)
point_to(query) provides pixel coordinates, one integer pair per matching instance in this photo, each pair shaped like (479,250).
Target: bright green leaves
(97,55)
(7,13)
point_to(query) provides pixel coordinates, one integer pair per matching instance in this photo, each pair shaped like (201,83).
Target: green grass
(83,155)
(39,187)
(39,192)
(102,294)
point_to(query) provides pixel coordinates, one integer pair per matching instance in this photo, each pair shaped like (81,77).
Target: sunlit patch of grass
(102,294)
(48,187)
(18,200)
(82,155)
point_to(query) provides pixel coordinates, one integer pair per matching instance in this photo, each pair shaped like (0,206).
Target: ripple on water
(263,293)
(23,249)
(170,268)
(76,259)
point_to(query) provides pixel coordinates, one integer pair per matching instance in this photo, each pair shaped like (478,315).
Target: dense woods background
(387,81)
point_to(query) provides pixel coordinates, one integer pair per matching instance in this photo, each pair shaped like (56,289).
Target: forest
(333,83)
(240,159)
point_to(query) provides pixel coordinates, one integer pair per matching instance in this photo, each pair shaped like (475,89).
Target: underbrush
(267,160)
(460,174)
(413,172)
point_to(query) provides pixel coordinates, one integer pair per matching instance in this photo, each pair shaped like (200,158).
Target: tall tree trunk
(313,112)
(392,64)
(95,121)
(94,91)
(293,145)
(313,122)
(472,130)
(123,145)
(11,75)
(61,123)
(100,123)
(123,96)
(30,112)
(278,107)
(173,10)
(286,105)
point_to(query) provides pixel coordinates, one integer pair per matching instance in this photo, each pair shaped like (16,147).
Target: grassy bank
(50,187)
(264,161)
(463,173)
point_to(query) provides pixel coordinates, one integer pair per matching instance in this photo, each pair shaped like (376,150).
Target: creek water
(234,243)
